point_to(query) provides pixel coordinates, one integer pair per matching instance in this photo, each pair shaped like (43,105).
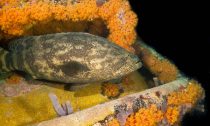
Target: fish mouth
(138,64)
(136,61)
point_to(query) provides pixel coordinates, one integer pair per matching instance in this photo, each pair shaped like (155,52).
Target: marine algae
(177,104)
(35,17)
(35,106)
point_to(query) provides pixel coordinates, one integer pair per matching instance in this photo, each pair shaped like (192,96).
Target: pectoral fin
(74,87)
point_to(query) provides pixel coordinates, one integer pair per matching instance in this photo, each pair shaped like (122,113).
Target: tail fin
(5,61)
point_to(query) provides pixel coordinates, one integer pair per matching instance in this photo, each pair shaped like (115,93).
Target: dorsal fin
(21,43)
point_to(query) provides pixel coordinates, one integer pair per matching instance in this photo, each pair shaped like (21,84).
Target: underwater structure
(154,93)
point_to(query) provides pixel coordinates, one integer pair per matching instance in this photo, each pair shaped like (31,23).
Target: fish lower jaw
(138,65)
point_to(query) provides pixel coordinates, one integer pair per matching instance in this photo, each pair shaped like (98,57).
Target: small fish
(72,57)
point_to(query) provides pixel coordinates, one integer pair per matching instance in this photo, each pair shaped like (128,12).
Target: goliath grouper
(72,57)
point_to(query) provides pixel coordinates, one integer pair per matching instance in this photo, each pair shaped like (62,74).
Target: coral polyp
(35,17)
(161,67)
(101,102)
(145,117)
(190,95)
(14,79)
(169,112)
(111,90)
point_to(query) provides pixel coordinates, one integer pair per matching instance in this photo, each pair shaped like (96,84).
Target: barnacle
(35,17)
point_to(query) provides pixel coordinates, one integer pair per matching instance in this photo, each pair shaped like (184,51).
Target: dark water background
(180,31)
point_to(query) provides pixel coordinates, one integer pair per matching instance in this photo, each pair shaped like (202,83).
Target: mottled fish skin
(72,57)
(3,66)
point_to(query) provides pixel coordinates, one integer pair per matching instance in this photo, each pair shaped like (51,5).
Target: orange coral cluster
(172,114)
(111,90)
(113,122)
(162,68)
(19,18)
(190,95)
(152,116)
(145,117)
(14,79)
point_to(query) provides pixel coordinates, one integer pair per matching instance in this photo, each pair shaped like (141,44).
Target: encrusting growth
(188,95)
(171,111)
(111,90)
(14,79)
(35,17)
(160,67)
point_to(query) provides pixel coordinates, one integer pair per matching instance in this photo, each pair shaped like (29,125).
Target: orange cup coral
(190,95)
(162,68)
(170,113)
(35,17)
(111,90)
(14,79)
